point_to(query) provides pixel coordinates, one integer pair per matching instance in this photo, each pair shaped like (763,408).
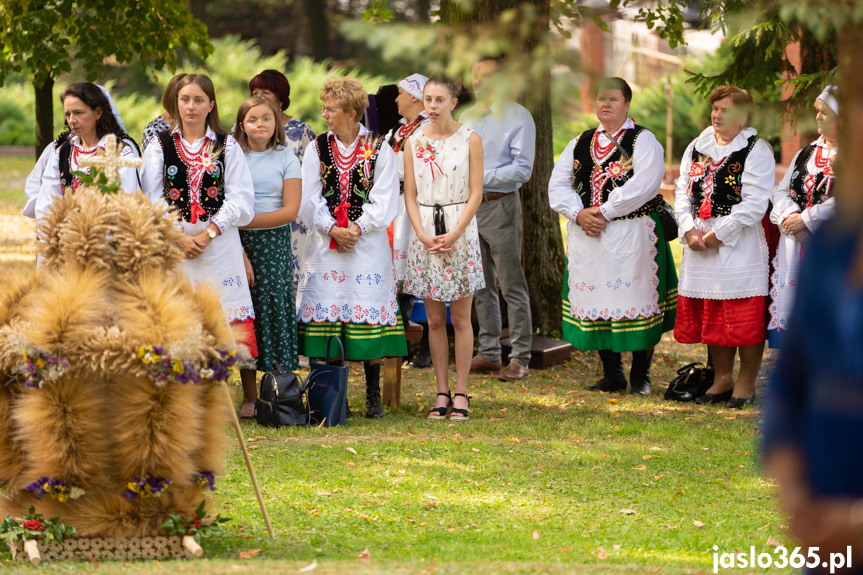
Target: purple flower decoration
(205,480)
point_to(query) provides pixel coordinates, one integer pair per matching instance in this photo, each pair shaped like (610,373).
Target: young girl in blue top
(267,240)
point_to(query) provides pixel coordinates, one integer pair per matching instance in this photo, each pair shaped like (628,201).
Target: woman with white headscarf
(48,159)
(801,202)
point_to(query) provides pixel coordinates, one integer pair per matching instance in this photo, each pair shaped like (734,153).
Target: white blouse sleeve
(682,203)
(783,205)
(759,174)
(649,168)
(561,195)
(238,209)
(50,188)
(382,207)
(34,181)
(313,207)
(152,173)
(816,215)
(129,176)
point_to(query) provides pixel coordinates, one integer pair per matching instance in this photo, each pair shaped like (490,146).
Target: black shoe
(714,397)
(440,412)
(639,374)
(421,359)
(374,407)
(461,414)
(738,402)
(613,378)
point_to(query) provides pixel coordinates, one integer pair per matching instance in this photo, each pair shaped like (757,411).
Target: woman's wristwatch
(212,233)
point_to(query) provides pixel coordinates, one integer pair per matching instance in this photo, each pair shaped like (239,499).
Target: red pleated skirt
(726,323)
(244,333)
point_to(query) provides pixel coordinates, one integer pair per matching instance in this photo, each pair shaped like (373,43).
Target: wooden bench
(391,391)
(544,352)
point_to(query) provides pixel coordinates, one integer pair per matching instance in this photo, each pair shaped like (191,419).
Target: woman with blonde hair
(347,283)
(201,171)
(168,118)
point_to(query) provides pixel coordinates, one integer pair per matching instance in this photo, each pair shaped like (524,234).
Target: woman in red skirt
(726,178)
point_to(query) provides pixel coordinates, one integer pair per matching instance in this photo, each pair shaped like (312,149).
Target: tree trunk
(44,115)
(423,11)
(543,245)
(849,197)
(316,11)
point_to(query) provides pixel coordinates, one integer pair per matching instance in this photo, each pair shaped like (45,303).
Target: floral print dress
(298,134)
(442,174)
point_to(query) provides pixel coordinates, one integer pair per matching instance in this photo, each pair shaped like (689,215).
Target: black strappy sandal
(440,412)
(463,414)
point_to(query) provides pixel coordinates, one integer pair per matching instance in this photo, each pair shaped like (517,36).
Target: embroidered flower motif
(212,192)
(174,194)
(696,171)
(616,169)
(209,162)
(172,170)
(735,168)
(828,171)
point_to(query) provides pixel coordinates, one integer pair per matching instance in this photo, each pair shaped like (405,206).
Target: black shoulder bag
(281,399)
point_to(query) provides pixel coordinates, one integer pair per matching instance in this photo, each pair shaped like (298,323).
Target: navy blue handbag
(327,390)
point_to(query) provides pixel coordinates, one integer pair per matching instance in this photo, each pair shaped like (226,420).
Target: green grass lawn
(545,477)
(14,170)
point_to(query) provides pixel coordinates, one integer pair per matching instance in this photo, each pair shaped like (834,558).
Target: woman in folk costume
(90,116)
(410,107)
(412,111)
(726,178)
(801,202)
(620,286)
(443,189)
(347,281)
(199,169)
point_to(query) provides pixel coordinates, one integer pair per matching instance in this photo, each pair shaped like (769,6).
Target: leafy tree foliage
(42,37)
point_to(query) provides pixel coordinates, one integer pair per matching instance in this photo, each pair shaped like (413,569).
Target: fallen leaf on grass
(615,547)
(494,419)
(258,438)
(698,523)
(640,467)
(773,542)
(307,568)
(365,555)
(628,511)
(474,449)
(672,527)
(601,553)
(326,446)
(647,457)
(352,450)
(250,554)
(251,447)
(535,534)
(324,493)
(657,570)
(612,400)
(367,518)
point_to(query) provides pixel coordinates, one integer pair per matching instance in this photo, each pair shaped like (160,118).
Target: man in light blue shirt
(508,139)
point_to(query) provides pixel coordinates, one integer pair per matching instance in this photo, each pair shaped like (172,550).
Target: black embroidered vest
(726,182)
(361,175)
(65,165)
(585,168)
(175,179)
(798,176)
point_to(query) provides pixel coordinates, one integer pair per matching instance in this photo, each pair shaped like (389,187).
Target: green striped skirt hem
(361,340)
(628,334)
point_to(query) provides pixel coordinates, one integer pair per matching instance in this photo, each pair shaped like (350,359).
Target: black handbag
(327,390)
(281,399)
(669,224)
(693,380)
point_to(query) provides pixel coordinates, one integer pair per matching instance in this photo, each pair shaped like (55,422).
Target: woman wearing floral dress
(267,240)
(443,189)
(274,86)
